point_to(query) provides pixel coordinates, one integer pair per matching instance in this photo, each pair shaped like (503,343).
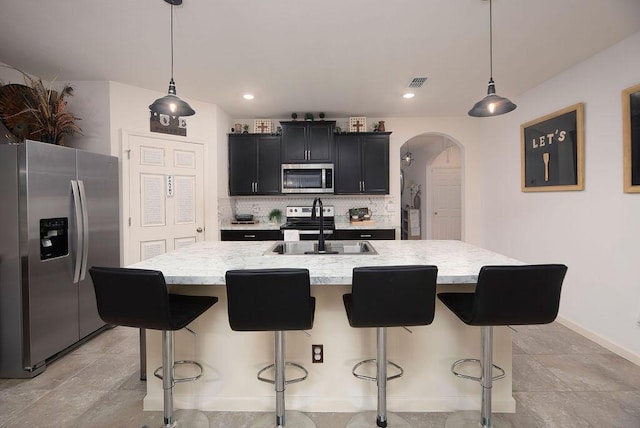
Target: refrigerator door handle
(78,210)
(85,230)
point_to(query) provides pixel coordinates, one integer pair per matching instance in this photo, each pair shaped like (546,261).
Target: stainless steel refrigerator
(59,215)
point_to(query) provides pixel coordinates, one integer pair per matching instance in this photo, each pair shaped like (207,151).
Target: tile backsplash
(382,207)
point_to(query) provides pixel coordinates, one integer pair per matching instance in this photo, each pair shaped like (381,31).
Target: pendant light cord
(172,42)
(490,42)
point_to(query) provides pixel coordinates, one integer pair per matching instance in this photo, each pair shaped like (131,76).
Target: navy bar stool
(504,295)
(273,300)
(388,296)
(139,298)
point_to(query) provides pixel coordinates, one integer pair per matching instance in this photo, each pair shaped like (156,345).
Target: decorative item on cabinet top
(357,124)
(35,111)
(263,126)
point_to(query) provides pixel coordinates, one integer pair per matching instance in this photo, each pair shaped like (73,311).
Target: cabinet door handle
(249,236)
(365,235)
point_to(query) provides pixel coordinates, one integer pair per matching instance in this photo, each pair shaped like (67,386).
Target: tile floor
(560,380)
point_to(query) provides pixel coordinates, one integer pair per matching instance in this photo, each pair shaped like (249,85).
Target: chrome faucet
(321,246)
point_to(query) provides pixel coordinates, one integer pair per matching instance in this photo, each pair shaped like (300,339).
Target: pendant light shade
(171,104)
(492,104)
(407,158)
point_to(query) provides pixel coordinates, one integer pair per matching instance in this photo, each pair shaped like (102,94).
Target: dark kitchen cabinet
(308,141)
(254,164)
(372,234)
(251,235)
(362,163)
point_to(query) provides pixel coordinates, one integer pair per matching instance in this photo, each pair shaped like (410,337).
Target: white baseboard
(611,346)
(313,404)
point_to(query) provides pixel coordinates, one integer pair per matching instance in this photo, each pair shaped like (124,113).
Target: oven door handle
(315,232)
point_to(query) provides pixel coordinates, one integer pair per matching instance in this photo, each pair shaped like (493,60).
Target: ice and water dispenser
(54,237)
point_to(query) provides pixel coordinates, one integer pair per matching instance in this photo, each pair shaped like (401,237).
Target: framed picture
(631,138)
(262,126)
(357,124)
(552,151)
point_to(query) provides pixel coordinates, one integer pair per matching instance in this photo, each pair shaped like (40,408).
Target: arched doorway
(434,184)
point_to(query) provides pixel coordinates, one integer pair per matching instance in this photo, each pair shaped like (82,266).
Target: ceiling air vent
(416,82)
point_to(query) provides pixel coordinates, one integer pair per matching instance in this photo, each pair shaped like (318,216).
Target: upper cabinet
(254,164)
(308,141)
(362,163)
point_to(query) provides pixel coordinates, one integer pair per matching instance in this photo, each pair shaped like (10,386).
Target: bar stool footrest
(475,361)
(374,379)
(287,382)
(157,372)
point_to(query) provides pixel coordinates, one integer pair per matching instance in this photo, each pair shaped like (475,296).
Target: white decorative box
(357,124)
(263,126)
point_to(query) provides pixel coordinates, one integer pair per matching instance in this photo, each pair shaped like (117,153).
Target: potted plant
(275,216)
(245,129)
(308,116)
(294,116)
(37,112)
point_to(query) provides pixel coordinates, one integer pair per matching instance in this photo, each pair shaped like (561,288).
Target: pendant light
(170,104)
(407,158)
(492,104)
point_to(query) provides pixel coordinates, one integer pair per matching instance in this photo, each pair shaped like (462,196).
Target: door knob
(199,230)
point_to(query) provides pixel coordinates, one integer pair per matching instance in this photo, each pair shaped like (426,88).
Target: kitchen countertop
(205,263)
(339,224)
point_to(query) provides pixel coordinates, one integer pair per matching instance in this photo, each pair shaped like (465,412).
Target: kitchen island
(231,360)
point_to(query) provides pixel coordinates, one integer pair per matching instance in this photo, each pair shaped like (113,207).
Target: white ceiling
(343,57)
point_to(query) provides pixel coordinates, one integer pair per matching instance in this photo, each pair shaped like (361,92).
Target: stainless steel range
(299,218)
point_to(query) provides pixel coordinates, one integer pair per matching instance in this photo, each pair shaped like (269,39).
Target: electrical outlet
(317,353)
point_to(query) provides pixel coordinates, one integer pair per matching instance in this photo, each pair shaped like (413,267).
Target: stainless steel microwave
(307,178)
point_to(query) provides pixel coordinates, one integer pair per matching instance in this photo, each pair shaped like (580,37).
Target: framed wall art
(631,138)
(262,126)
(552,151)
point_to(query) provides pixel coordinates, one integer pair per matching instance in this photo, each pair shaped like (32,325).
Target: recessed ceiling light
(248,96)
(409,95)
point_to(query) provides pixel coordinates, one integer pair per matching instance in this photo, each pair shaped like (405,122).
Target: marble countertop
(205,263)
(339,224)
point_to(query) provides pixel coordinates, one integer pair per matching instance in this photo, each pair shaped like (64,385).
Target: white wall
(595,232)
(90,102)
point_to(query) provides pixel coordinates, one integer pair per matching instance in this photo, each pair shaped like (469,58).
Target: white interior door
(447,203)
(166,195)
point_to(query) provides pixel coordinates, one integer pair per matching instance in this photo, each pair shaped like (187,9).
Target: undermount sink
(331,247)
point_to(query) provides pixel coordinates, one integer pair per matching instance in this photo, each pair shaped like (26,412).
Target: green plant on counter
(275,215)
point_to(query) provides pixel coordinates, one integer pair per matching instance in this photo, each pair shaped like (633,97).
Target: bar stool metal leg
(183,418)
(483,418)
(279,362)
(487,376)
(143,354)
(167,378)
(364,420)
(381,362)
(293,419)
